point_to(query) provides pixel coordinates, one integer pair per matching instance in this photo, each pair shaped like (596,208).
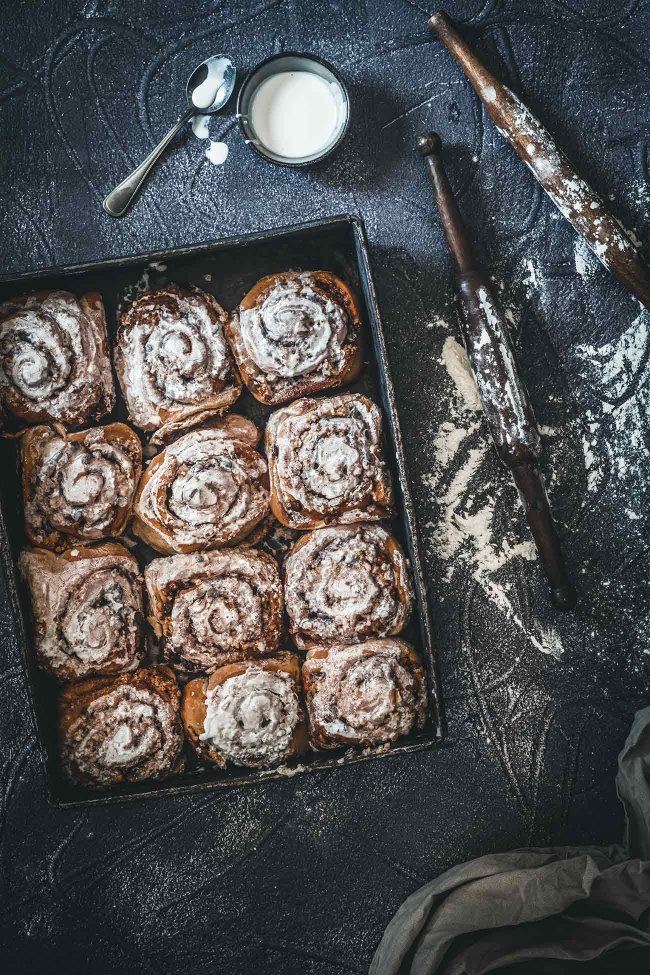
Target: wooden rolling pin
(504,397)
(581,205)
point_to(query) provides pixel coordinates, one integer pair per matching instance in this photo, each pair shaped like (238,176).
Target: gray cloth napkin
(537,907)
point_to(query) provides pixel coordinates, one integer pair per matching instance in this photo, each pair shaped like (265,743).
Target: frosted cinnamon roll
(326,464)
(172,360)
(78,486)
(54,363)
(215,608)
(247,713)
(344,584)
(87,606)
(366,694)
(296,333)
(207,489)
(121,729)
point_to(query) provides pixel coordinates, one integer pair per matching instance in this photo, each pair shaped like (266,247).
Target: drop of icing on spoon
(204,94)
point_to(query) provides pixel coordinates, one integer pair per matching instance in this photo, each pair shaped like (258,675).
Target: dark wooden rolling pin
(581,205)
(504,397)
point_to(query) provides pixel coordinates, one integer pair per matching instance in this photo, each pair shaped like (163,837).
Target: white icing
(126,733)
(123,748)
(251,718)
(295,331)
(224,606)
(342,584)
(87,611)
(200,126)
(205,94)
(80,486)
(217,153)
(295,114)
(52,356)
(213,488)
(369,693)
(329,454)
(173,356)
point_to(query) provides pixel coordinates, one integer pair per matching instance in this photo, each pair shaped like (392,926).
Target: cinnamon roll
(346,583)
(366,694)
(54,363)
(87,606)
(247,713)
(326,464)
(121,729)
(207,489)
(78,486)
(172,360)
(215,608)
(295,334)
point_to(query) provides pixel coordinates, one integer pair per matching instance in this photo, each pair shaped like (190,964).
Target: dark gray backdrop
(301,877)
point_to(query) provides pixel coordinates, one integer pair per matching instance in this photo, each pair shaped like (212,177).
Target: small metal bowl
(291,61)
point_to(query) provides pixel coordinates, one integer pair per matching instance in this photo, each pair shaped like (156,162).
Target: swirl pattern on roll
(296,333)
(326,463)
(121,729)
(346,583)
(207,489)
(215,608)
(247,713)
(172,360)
(54,364)
(87,607)
(78,485)
(366,694)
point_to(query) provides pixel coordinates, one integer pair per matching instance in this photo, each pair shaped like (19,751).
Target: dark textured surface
(301,877)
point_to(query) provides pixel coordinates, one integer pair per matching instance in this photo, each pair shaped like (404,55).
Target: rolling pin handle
(429,146)
(530,484)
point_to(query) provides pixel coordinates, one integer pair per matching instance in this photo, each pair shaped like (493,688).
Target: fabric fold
(562,904)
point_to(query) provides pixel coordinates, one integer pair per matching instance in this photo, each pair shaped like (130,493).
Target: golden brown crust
(326,463)
(54,361)
(172,360)
(345,584)
(296,333)
(279,736)
(213,608)
(87,606)
(206,490)
(367,694)
(121,729)
(78,486)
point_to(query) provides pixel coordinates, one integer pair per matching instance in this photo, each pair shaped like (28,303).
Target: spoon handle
(119,200)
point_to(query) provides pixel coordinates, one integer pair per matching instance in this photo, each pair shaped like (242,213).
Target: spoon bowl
(211,84)
(208,89)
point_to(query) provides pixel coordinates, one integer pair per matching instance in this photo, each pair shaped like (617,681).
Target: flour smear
(469,493)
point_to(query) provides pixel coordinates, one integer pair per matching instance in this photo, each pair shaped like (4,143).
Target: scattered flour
(469,498)
(620,370)
(585,261)
(454,359)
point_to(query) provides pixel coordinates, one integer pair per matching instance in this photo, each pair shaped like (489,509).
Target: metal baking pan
(229,268)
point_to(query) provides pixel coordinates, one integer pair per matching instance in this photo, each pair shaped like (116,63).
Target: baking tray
(228,268)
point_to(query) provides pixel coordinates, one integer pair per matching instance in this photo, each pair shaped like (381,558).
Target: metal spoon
(208,89)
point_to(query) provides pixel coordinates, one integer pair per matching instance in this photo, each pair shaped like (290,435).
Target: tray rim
(438,726)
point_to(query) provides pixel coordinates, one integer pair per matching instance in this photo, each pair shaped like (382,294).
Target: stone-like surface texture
(302,876)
